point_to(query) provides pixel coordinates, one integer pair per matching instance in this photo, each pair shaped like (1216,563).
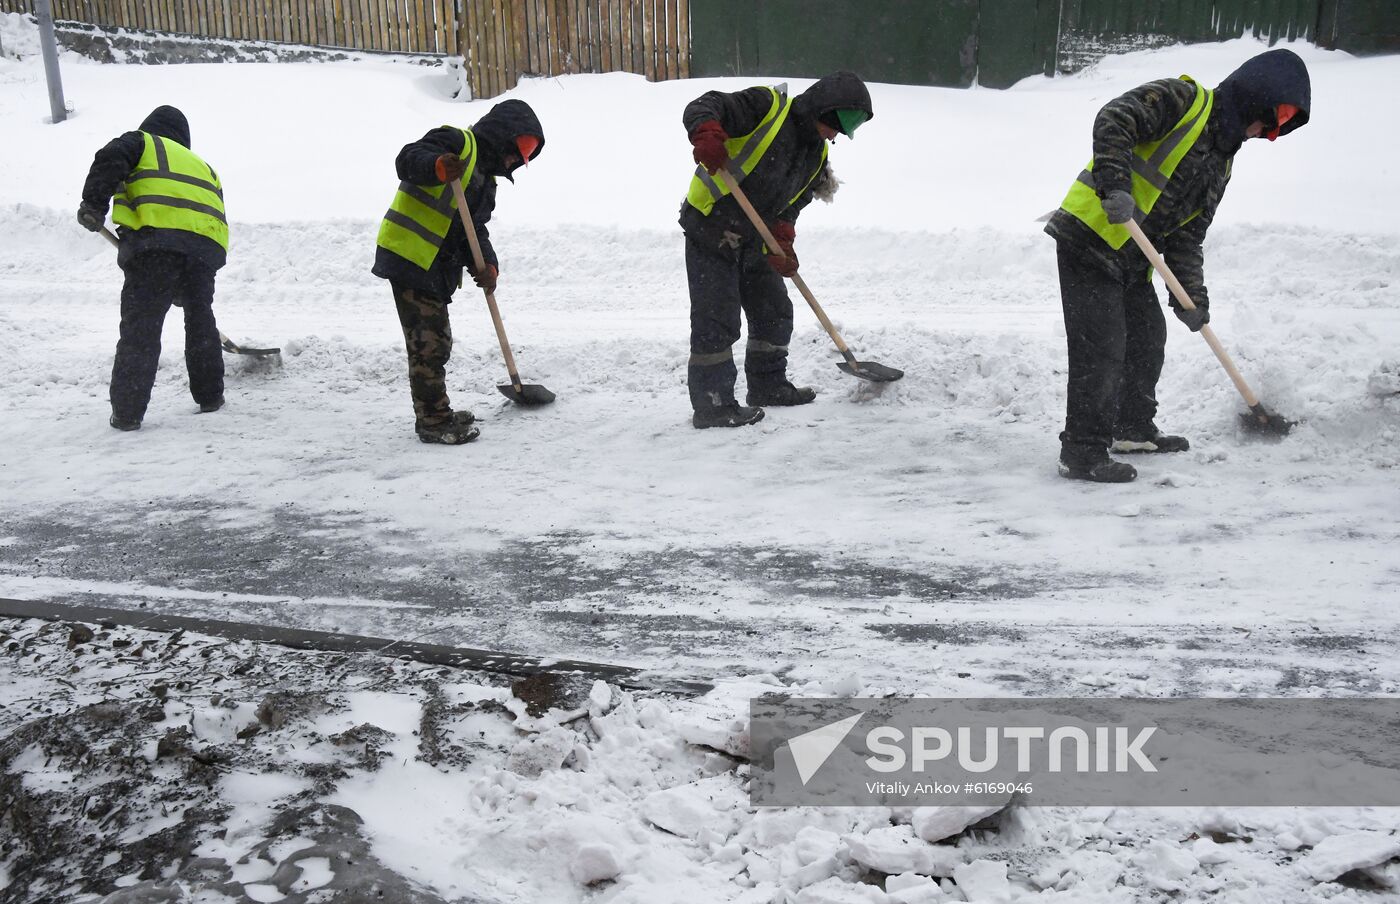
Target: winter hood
(838,91)
(168,122)
(496,133)
(1253,92)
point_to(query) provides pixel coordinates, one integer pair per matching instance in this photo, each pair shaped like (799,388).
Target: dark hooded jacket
(1250,94)
(117,160)
(495,139)
(789,162)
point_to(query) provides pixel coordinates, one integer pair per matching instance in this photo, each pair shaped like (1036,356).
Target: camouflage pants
(427,334)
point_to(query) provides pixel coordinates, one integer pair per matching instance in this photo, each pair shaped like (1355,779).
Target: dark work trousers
(1117,337)
(724,281)
(154,281)
(427,335)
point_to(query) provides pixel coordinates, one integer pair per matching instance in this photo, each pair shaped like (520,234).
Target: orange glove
(449,167)
(786,234)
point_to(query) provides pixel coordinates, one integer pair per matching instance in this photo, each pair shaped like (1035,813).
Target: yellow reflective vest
(172,188)
(745,152)
(1154,162)
(416,224)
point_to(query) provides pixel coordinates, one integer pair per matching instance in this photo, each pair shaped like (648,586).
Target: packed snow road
(915,535)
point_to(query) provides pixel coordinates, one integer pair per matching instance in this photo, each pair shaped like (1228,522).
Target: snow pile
(19,40)
(166,766)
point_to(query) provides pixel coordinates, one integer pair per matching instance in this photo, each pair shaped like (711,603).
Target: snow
(906,540)
(700,808)
(937,823)
(1165,864)
(983,881)
(1338,854)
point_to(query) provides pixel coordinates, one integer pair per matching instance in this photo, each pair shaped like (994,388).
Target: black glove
(1195,319)
(1119,205)
(91,218)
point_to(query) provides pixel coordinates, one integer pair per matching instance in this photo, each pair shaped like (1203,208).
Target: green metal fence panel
(921,42)
(1091,29)
(1015,38)
(998,42)
(1360,26)
(723,39)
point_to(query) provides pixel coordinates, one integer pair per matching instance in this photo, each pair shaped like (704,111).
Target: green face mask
(850,121)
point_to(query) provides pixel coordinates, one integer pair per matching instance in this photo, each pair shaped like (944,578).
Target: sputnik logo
(811,749)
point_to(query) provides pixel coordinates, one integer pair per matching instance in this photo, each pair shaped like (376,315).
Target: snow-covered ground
(176,768)
(912,540)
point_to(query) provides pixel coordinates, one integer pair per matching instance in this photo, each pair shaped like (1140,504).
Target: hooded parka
(792,169)
(495,135)
(118,160)
(1178,222)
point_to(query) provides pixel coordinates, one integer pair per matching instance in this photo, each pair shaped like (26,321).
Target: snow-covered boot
(211,407)
(1147,439)
(782,394)
(726,416)
(1080,463)
(124,423)
(455,431)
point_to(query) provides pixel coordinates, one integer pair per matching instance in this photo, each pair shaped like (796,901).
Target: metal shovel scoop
(869,370)
(525,393)
(233,348)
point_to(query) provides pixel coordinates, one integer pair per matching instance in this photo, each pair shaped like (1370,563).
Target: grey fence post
(43,11)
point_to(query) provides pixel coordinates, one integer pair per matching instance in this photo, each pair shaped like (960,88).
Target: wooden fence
(499,40)
(512,38)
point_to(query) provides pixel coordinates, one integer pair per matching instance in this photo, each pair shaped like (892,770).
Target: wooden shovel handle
(767,235)
(480,260)
(1160,265)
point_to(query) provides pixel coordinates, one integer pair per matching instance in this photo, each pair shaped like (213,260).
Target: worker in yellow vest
(423,249)
(775,146)
(1162,157)
(173,232)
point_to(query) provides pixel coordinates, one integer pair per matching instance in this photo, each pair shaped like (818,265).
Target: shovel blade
(1262,422)
(233,348)
(869,370)
(529,394)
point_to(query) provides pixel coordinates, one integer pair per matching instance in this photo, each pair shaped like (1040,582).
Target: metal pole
(43,11)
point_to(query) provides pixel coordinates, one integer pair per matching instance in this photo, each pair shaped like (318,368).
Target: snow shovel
(528,394)
(866,370)
(227,344)
(1259,420)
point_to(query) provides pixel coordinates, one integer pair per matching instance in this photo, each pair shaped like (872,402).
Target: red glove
(487,278)
(786,234)
(449,167)
(708,139)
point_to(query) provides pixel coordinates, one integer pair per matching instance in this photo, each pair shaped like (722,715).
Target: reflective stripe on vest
(1154,162)
(417,222)
(172,188)
(745,152)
